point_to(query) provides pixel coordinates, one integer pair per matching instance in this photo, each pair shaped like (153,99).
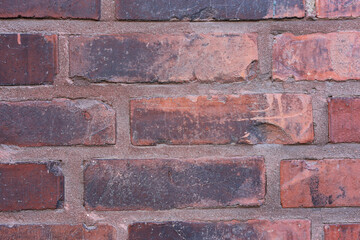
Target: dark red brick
(30,186)
(27,59)
(84,9)
(58,122)
(65,232)
(331,56)
(164,58)
(250,230)
(168,184)
(249,119)
(344,120)
(320,183)
(337,8)
(342,232)
(209,10)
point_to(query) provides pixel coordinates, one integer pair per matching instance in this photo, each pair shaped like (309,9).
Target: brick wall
(129,119)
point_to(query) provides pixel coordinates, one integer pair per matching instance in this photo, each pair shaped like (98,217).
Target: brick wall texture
(180,120)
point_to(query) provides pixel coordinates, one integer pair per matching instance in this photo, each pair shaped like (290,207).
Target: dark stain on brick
(164,58)
(192,231)
(60,122)
(205,10)
(127,58)
(79,9)
(195,230)
(168,184)
(27,59)
(318,199)
(30,186)
(39,126)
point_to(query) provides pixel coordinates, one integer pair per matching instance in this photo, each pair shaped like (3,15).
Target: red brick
(31,186)
(164,58)
(66,232)
(58,122)
(342,232)
(250,119)
(208,10)
(84,9)
(331,56)
(344,120)
(27,59)
(253,229)
(320,183)
(337,8)
(167,184)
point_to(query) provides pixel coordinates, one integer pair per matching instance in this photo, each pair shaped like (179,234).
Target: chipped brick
(249,119)
(151,58)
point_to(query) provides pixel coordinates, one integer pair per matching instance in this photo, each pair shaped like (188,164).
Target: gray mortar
(118,95)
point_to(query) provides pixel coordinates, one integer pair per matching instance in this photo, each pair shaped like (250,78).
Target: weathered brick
(168,184)
(251,230)
(344,120)
(43,232)
(250,119)
(337,8)
(164,58)
(331,56)
(342,232)
(320,183)
(56,123)
(27,59)
(84,9)
(208,10)
(26,186)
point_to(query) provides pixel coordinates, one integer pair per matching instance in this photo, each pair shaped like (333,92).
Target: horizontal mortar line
(137,91)
(270,152)
(337,215)
(106,27)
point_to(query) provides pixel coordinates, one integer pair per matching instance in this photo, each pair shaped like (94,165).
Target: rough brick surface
(56,123)
(66,232)
(27,59)
(208,10)
(342,232)
(26,186)
(320,183)
(332,56)
(337,8)
(344,120)
(252,230)
(164,58)
(87,9)
(166,184)
(250,119)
